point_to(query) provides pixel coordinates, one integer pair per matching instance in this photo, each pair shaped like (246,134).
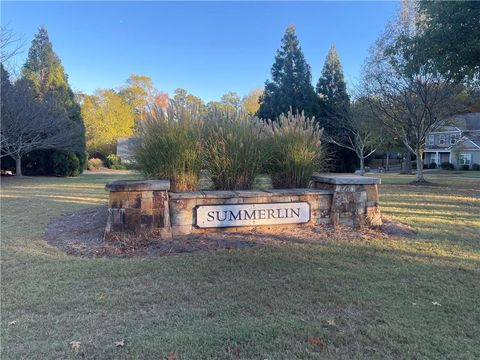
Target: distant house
(458,143)
(125,149)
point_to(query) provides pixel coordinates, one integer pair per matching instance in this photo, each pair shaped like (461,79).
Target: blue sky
(206,48)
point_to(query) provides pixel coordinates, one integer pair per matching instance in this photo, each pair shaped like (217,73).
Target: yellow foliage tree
(251,101)
(107,116)
(139,92)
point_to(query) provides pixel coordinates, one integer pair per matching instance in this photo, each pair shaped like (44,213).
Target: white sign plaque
(211,216)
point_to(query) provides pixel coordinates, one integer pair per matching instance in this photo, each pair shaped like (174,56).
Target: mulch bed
(81,233)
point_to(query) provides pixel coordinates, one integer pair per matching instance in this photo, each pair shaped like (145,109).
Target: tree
(30,124)
(107,116)
(139,92)
(449,39)
(44,70)
(332,91)
(229,102)
(219,106)
(183,98)
(161,100)
(251,102)
(358,132)
(291,83)
(334,107)
(410,103)
(232,100)
(11,44)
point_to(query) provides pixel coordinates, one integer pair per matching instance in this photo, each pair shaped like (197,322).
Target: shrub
(94,164)
(65,164)
(432,165)
(296,151)
(234,150)
(171,145)
(447,165)
(82,158)
(476,167)
(464,167)
(113,160)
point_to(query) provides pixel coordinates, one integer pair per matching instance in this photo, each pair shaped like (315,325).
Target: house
(125,149)
(457,143)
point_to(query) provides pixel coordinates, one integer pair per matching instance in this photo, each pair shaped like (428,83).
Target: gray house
(126,148)
(458,143)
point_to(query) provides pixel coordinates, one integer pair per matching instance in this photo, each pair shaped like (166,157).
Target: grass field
(382,298)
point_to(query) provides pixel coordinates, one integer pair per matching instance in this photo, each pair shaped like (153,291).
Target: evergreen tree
(332,91)
(291,83)
(44,70)
(334,108)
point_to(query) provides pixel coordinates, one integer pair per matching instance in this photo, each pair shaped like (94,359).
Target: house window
(453,139)
(465,159)
(441,139)
(431,139)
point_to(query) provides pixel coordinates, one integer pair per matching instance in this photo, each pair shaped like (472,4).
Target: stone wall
(355,199)
(148,205)
(182,205)
(139,206)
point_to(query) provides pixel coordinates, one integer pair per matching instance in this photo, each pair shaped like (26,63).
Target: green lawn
(354,299)
(461,173)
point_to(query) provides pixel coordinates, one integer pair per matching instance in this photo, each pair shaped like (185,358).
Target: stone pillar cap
(345,179)
(138,185)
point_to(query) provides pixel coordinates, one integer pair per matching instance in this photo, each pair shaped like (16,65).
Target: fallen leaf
(119,343)
(14,322)
(414,304)
(75,344)
(331,322)
(315,341)
(172,356)
(434,303)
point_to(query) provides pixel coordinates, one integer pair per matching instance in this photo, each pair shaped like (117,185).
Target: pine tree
(43,67)
(291,83)
(44,70)
(334,105)
(332,91)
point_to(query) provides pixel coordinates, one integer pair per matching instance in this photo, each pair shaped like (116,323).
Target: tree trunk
(362,165)
(18,166)
(407,164)
(387,162)
(420,177)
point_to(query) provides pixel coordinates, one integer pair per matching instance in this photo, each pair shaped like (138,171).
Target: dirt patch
(81,233)
(423,183)
(391,227)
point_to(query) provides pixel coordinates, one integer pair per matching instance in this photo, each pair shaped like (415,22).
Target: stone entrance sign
(143,206)
(211,216)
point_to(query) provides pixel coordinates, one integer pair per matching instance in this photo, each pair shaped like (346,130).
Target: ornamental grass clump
(296,150)
(235,150)
(171,145)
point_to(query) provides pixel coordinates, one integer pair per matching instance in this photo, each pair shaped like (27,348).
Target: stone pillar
(137,206)
(355,199)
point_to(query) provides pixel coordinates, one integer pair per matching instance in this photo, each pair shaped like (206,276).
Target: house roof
(468,124)
(471,142)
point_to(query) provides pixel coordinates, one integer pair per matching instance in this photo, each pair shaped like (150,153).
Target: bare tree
(28,124)
(357,132)
(410,103)
(11,44)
